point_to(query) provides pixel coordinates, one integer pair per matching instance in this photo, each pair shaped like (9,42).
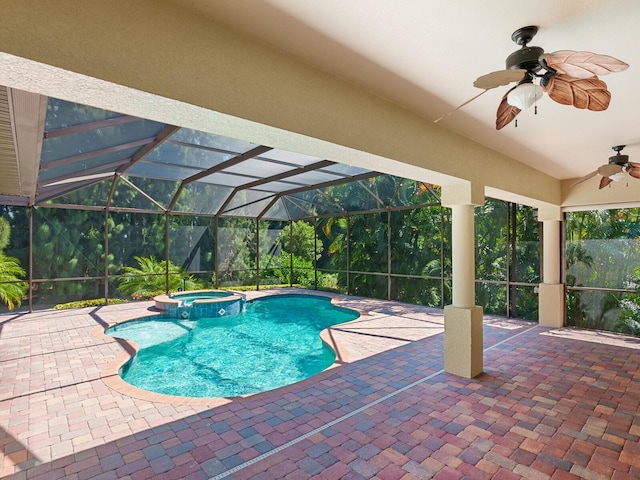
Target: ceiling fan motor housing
(619,159)
(527,58)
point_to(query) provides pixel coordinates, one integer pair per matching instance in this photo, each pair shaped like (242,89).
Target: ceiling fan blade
(459,106)
(590,93)
(609,169)
(583,64)
(499,78)
(604,181)
(633,169)
(506,113)
(584,179)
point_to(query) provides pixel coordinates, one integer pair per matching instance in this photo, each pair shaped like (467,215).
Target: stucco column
(463,338)
(551,296)
(463,255)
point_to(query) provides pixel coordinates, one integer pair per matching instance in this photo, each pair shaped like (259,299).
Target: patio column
(551,294)
(463,338)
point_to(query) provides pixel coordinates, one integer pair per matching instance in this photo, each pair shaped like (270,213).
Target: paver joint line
(290,443)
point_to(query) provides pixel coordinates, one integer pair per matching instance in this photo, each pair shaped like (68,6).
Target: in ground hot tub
(200,303)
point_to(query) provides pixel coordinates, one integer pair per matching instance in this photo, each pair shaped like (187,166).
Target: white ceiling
(425,55)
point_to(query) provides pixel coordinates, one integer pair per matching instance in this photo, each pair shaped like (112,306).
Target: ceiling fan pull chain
(516,123)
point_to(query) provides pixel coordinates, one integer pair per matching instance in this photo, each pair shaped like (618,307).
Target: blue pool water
(273,342)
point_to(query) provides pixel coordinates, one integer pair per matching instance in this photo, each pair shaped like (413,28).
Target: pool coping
(165,301)
(110,373)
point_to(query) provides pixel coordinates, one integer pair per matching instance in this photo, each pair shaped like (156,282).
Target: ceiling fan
(614,170)
(569,77)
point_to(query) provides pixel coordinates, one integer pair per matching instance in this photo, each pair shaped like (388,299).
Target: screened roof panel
(279,187)
(259,168)
(252,209)
(78,194)
(352,197)
(106,162)
(159,166)
(323,204)
(246,197)
(95,140)
(227,180)
(162,172)
(63,114)
(231,145)
(162,191)
(290,157)
(311,178)
(276,212)
(174,154)
(127,197)
(297,210)
(202,198)
(72,179)
(345,170)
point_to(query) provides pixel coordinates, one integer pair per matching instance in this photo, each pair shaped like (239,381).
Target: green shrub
(328,281)
(146,295)
(98,302)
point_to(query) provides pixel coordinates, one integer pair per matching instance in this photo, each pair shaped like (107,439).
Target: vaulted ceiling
(426,54)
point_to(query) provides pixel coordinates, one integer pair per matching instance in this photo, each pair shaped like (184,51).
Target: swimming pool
(273,342)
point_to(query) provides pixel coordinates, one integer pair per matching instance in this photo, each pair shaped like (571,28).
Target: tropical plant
(149,279)
(295,249)
(236,252)
(5,233)
(12,289)
(300,240)
(301,273)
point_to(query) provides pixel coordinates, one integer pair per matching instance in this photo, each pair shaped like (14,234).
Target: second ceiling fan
(569,77)
(617,168)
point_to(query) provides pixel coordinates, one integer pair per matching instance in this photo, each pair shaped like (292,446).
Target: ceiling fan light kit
(524,96)
(569,77)
(618,177)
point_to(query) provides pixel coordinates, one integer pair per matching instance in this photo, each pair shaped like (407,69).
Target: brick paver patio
(556,404)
